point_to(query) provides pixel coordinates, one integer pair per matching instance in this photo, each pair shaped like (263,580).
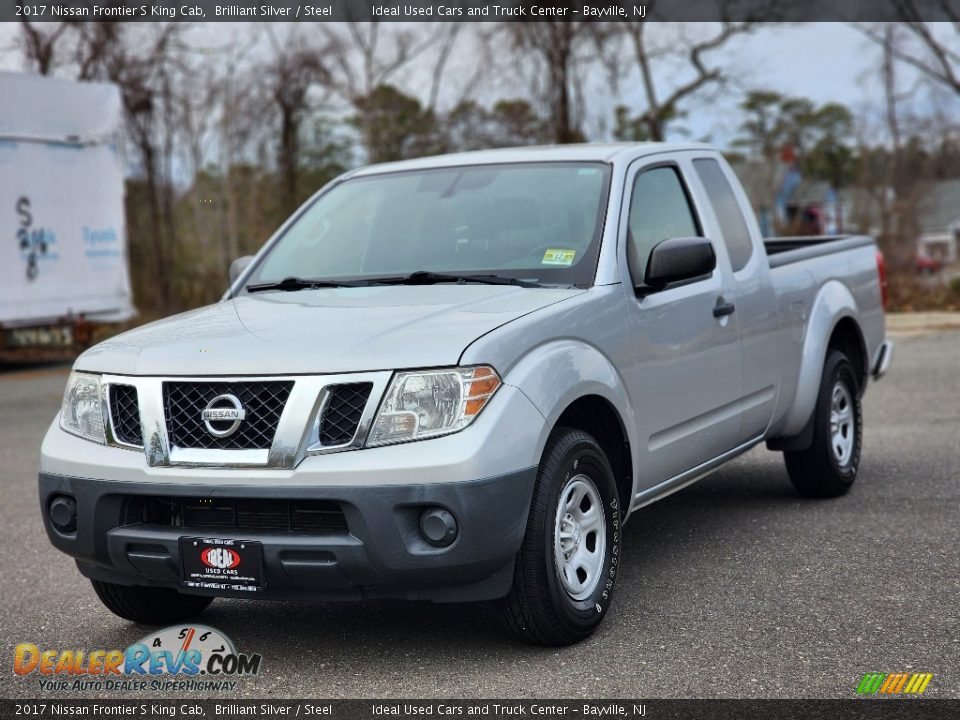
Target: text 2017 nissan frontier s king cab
(454,379)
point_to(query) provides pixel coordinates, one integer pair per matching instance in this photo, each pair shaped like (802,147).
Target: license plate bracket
(221,564)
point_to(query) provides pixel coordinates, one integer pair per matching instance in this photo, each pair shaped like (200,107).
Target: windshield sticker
(558,257)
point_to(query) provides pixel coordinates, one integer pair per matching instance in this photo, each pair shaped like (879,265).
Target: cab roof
(591,152)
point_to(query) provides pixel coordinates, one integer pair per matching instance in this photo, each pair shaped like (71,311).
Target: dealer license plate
(215,564)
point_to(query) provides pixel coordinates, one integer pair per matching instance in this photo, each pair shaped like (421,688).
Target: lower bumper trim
(381,553)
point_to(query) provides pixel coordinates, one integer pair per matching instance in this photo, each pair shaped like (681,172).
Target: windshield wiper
(425,277)
(294,283)
(421,277)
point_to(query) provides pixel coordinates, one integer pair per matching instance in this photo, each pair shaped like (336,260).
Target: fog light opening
(63,513)
(438,526)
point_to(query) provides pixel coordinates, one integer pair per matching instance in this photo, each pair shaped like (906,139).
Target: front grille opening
(262,403)
(125,414)
(342,413)
(212,514)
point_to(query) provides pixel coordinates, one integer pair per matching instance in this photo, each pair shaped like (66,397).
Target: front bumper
(380,553)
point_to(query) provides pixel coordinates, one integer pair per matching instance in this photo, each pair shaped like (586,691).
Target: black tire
(819,471)
(539,609)
(149,606)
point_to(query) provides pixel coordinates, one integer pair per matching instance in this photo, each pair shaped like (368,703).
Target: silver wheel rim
(579,537)
(841,423)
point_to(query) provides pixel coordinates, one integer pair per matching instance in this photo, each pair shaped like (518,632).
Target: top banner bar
(480,10)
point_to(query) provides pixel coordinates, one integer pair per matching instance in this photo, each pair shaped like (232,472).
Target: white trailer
(63,244)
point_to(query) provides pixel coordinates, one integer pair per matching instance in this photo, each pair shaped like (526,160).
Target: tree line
(227,135)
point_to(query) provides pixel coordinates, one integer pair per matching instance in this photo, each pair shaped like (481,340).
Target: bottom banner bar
(455,709)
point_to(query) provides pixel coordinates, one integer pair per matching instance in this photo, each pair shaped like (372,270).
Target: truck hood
(320,331)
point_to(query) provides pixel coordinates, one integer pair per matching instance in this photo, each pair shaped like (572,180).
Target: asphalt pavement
(733,587)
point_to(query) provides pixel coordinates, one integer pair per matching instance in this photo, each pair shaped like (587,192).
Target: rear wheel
(829,466)
(149,606)
(566,569)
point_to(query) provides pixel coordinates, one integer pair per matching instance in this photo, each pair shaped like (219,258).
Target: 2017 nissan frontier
(454,379)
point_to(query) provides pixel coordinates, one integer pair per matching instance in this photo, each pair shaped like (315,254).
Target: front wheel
(566,569)
(829,466)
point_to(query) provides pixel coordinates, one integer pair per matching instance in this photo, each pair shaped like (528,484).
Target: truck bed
(787,250)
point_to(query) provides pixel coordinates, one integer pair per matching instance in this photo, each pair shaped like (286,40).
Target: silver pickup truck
(454,379)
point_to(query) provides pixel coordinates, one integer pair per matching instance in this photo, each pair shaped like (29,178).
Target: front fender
(833,303)
(556,374)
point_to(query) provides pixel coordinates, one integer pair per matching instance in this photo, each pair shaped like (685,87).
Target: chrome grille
(263,401)
(125,414)
(342,413)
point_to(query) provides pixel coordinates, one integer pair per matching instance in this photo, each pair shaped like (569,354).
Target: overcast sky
(822,61)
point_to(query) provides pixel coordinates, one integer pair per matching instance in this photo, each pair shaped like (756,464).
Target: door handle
(723,308)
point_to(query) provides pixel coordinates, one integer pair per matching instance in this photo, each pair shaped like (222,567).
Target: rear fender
(834,302)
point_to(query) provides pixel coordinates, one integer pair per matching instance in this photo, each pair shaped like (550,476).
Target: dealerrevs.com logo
(191,657)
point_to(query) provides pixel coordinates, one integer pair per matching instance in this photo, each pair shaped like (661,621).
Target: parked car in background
(63,265)
(455,379)
(927,265)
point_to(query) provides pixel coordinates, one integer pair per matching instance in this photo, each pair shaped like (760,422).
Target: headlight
(428,403)
(82,412)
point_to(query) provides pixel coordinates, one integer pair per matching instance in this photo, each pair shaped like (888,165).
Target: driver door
(687,376)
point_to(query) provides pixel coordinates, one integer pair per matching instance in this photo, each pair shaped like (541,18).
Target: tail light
(882,275)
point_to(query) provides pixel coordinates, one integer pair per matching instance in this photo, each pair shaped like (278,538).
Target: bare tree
(935,51)
(894,188)
(367,55)
(44,49)
(448,39)
(40,46)
(195,109)
(293,71)
(472,42)
(565,51)
(237,126)
(142,65)
(370,56)
(662,106)
(554,41)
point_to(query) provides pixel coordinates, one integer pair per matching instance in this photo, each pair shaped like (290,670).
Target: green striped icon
(894,683)
(871,683)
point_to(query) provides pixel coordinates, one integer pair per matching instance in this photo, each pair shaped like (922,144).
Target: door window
(727,209)
(659,210)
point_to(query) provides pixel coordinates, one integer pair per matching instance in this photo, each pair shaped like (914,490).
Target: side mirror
(678,259)
(238,266)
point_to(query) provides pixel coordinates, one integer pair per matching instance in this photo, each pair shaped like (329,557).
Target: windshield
(537,222)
